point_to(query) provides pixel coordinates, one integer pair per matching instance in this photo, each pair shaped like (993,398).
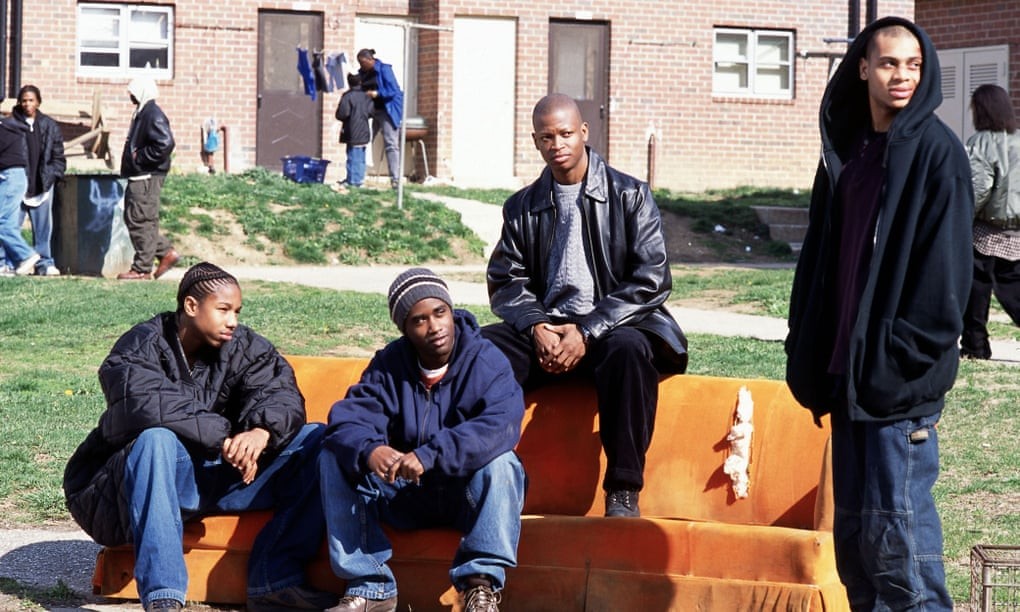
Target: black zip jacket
(149,143)
(52,162)
(624,239)
(903,353)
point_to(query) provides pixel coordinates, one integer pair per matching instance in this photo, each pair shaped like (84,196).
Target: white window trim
(124,48)
(752,64)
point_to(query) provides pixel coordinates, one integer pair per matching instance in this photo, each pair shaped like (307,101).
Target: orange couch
(696,547)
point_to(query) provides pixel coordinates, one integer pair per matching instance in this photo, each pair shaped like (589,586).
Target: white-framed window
(753,63)
(125,39)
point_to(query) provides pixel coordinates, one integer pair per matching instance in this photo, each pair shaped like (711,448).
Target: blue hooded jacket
(466,420)
(389,91)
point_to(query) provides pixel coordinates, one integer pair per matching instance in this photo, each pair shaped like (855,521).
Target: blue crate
(304,169)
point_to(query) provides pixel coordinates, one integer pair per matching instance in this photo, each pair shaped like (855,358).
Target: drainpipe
(853,19)
(226,150)
(872,12)
(16,18)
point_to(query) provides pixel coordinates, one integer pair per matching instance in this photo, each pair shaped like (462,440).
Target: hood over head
(143,89)
(845,110)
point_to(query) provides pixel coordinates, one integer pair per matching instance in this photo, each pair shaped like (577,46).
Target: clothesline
(321,74)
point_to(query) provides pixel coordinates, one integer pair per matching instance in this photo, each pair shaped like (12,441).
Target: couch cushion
(562,454)
(684,475)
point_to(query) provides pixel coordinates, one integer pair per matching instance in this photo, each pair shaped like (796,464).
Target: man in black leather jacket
(145,163)
(580,278)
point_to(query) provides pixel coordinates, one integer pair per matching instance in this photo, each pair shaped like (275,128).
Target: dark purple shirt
(856,209)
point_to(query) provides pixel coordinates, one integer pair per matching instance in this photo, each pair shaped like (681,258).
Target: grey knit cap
(410,288)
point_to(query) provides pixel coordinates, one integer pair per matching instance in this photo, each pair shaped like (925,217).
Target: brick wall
(660,76)
(961,24)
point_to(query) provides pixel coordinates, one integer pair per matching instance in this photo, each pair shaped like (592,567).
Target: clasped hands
(243,451)
(558,348)
(389,464)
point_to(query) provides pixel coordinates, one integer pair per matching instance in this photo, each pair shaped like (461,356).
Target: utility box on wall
(89,236)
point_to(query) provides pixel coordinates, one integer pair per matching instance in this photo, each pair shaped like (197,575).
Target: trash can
(89,236)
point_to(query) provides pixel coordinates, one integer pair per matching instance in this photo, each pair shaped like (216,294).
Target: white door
(963,71)
(484,72)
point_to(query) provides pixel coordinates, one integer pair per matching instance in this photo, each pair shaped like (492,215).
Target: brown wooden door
(579,67)
(288,122)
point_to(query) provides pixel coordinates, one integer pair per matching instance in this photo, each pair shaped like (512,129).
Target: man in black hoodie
(876,310)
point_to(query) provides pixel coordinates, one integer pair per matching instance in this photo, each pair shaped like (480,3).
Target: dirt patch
(738,246)
(231,246)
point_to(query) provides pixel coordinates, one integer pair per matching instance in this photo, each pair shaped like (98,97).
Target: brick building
(977,41)
(729,89)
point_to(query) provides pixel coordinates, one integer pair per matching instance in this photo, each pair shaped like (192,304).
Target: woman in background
(379,82)
(994,152)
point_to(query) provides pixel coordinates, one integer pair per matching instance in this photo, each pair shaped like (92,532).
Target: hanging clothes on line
(336,67)
(319,69)
(304,68)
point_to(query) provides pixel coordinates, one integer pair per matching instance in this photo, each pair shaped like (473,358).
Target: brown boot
(166,262)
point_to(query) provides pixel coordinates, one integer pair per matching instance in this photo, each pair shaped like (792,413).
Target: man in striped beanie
(413,286)
(437,408)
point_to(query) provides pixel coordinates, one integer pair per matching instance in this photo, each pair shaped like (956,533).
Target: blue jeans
(165,486)
(887,531)
(41,217)
(485,506)
(355,165)
(13,184)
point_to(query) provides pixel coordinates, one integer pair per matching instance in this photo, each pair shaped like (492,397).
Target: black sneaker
(164,605)
(357,603)
(481,598)
(622,503)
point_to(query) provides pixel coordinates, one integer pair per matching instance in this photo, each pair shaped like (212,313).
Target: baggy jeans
(887,531)
(486,506)
(165,486)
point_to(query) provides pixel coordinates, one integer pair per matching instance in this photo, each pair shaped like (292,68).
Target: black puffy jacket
(147,384)
(625,242)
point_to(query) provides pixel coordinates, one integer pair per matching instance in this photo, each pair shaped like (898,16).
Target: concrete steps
(787,224)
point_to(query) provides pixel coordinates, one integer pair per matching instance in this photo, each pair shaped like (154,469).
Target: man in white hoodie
(145,163)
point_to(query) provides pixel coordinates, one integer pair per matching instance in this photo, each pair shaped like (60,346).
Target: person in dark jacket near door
(876,309)
(203,416)
(580,278)
(145,163)
(354,111)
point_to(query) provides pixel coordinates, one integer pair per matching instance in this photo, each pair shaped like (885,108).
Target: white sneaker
(28,266)
(49,271)
(6,270)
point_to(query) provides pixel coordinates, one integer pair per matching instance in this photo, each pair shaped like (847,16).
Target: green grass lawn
(55,332)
